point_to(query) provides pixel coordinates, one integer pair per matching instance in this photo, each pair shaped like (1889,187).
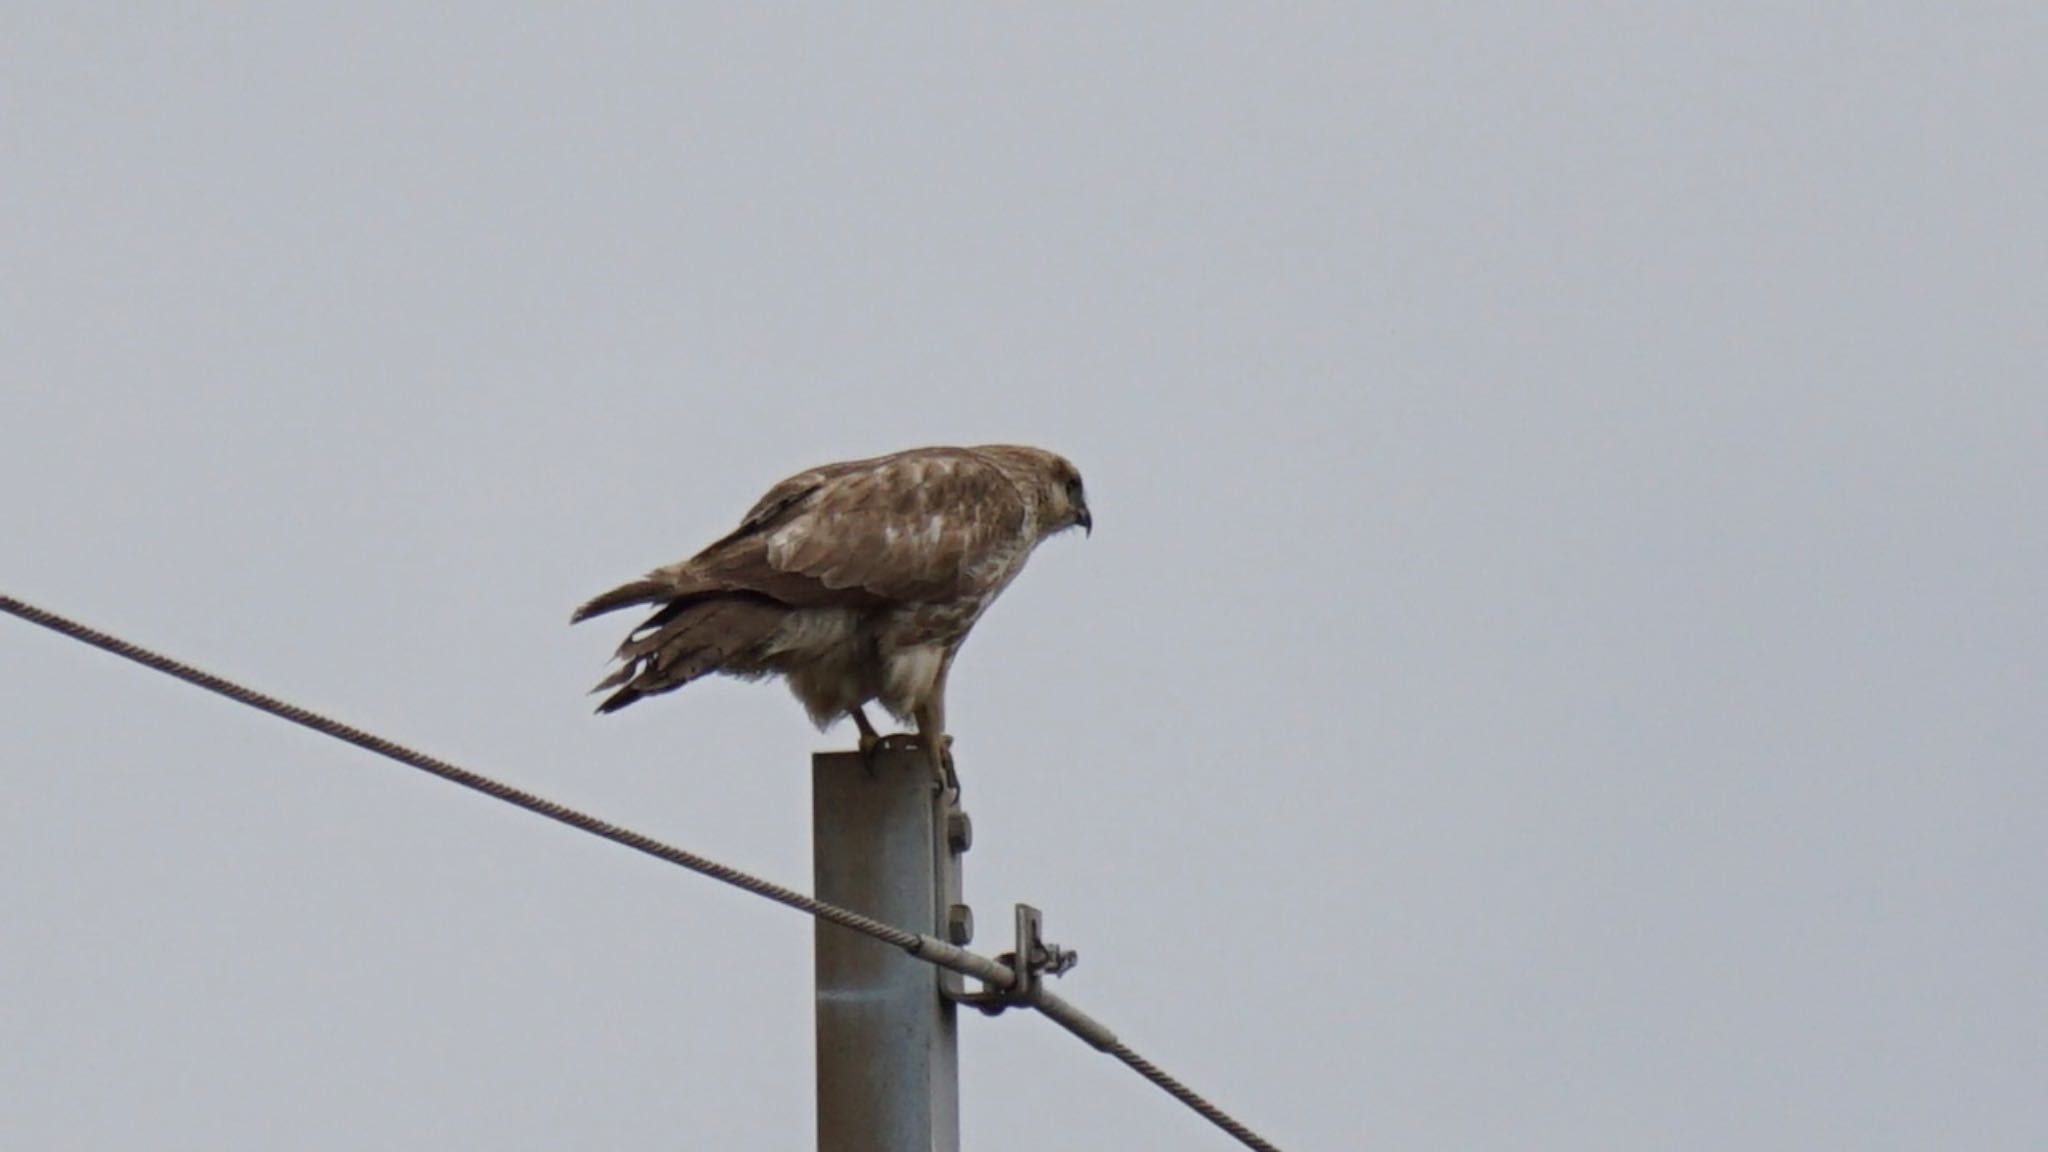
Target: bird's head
(1062,501)
(1054,482)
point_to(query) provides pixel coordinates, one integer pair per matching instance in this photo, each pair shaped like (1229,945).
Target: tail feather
(688,640)
(618,700)
(643,591)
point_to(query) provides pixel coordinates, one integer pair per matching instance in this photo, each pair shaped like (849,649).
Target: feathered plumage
(855,581)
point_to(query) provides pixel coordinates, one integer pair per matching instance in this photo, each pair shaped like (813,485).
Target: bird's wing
(779,502)
(909,526)
(912,526)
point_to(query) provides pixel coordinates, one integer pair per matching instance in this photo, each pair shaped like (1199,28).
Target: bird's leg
(868,736)
(938,747)
(870,740)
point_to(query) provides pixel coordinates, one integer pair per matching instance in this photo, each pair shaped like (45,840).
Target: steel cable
(928,948)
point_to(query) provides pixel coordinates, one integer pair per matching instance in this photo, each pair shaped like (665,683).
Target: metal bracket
(1032,960)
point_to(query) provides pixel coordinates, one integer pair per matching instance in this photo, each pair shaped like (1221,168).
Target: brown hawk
(855,582)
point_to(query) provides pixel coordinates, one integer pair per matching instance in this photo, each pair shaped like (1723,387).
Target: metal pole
(888,1056)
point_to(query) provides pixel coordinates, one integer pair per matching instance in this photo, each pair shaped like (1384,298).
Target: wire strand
(927,948)
(1188,1096)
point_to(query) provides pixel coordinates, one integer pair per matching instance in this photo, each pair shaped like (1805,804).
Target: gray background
(1560,663)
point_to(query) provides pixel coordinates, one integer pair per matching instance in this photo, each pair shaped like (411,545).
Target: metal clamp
(1033,960)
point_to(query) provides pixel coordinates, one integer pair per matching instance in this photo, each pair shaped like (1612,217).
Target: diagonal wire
(1189,1097)
(497,790)
(928,948)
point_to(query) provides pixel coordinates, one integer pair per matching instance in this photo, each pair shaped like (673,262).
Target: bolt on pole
(888,1041)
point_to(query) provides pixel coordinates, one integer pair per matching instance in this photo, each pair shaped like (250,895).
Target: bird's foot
(873,747)
(944,779)
(940,758)
(868,736)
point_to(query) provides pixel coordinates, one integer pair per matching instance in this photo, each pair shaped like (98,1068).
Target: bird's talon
(944,779)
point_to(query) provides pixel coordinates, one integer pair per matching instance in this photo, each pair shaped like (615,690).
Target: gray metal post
(888,1056)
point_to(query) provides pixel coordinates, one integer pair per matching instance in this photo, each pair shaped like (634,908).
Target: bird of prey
(856,582)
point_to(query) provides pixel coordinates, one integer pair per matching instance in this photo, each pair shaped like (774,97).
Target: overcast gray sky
(1560,663)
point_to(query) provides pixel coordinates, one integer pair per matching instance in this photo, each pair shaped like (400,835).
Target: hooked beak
(1086,521)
